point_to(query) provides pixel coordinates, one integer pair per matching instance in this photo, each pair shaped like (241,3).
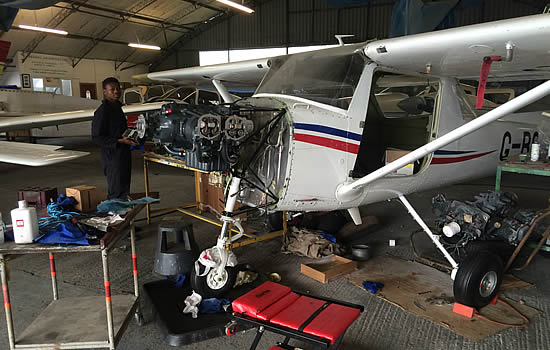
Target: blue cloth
(120,206)
(212,305)
(180,280)
(64,233)
(8,236)
(328,237)
(372,286)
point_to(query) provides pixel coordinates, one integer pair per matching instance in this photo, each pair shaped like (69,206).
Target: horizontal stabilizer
(35,155)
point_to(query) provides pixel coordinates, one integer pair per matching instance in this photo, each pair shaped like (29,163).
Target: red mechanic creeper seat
(260,298)
(330,323)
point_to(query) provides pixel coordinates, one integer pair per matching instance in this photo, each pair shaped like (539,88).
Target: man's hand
(127,141)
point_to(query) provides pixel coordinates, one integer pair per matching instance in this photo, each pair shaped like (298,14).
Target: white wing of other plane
(459,52)
(242,75)
(39,155)
(35,155)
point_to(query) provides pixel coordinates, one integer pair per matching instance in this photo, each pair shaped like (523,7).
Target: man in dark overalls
(108,125)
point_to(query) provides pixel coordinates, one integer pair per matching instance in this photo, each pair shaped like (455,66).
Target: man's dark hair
(110,80)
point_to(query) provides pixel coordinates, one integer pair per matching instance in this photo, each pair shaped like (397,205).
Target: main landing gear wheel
(478,279)
(213,285)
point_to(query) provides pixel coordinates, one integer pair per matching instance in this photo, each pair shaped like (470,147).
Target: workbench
(152,157)
(76,322)
(514,165)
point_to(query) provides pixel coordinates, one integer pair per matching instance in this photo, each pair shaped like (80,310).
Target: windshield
(326,76)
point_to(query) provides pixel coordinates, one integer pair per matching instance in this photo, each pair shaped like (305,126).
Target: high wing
(39,155)
(459,52)
(234,75)
(41,120)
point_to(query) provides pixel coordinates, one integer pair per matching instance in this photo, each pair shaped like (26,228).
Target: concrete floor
(381,326)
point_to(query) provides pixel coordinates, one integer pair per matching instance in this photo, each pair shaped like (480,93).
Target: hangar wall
(54,68)
(279,23)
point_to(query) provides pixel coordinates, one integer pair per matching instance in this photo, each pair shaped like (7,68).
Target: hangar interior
(46,72)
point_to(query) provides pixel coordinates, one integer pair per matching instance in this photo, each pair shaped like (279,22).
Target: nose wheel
(214,284)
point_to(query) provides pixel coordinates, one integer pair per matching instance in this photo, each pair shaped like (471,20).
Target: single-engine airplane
(319,131)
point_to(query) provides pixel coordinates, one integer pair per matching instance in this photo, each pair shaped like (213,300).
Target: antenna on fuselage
(339,37)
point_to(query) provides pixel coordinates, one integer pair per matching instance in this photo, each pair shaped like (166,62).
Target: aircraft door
(399,119)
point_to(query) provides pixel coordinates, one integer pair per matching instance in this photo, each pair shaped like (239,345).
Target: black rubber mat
(180,329)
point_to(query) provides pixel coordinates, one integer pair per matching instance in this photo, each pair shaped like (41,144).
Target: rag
(212,305)
(372,286)
(191,304)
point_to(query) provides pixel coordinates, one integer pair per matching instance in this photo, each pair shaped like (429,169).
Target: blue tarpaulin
(65,233)
(416,16)
(120,206)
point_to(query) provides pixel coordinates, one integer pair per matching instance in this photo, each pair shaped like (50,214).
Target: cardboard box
(328,268)
(394,154)
(87,197)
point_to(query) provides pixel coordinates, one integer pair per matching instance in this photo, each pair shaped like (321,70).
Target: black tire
(200,285)
(484,267)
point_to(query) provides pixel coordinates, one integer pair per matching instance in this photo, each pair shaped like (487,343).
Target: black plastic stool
(178,256)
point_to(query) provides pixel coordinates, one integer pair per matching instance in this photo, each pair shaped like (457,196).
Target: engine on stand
(492,216)
(208,137)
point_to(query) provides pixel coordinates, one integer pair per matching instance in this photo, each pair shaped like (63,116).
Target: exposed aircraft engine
(208,136)
(247,140)
(492,216)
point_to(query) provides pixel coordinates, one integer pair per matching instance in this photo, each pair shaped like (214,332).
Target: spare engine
(492,216)
(207,136)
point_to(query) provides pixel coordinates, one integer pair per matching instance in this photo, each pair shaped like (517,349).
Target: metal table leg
(108,305)
(7,305)
(138,315)
(54,277)
(146,180)
(499,175)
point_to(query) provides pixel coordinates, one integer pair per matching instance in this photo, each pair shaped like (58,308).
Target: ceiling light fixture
(141,46)
(40,29)
(237,6)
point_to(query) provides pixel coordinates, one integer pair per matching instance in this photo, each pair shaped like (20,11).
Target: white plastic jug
(25,223)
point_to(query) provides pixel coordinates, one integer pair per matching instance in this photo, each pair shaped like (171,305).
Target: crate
(328,268)
(37,196)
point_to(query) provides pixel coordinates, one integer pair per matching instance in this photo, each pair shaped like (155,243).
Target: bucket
(25,223)
(360,252)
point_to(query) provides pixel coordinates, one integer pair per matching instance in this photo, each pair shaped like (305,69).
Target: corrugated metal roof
(102,28)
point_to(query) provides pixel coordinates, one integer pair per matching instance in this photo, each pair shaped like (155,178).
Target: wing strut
(352,191)
(223,91)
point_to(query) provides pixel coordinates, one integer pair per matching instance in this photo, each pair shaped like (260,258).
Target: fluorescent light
(141,46)
(40,29)
(237,6)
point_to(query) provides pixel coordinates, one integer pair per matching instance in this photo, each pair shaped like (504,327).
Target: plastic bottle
(25,223)
(535,151)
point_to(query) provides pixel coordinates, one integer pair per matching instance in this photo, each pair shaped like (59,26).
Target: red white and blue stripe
(327,136)
(448,157)
(347,141)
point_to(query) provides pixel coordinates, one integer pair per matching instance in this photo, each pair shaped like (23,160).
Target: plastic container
(25,223)
(535,151)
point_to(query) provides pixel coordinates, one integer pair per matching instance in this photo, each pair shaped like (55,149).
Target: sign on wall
(26,81)
(40,65)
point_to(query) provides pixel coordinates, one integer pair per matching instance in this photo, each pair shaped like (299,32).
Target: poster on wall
(26,81)
(41,65)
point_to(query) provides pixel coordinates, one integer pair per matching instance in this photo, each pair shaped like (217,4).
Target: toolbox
(37,196)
